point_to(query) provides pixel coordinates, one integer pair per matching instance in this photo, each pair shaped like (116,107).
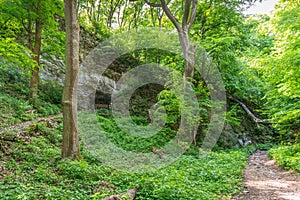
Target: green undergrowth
(287,157)
(14,104)
(32,168)
(132,143)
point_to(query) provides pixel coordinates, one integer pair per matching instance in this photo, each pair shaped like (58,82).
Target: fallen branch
(251,115)
(130,194)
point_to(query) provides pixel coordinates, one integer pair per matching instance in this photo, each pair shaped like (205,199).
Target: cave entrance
(102,100)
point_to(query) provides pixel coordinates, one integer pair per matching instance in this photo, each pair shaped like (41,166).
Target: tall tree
(70,146)
(188,49)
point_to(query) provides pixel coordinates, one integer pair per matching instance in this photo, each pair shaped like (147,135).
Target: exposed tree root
(130,195)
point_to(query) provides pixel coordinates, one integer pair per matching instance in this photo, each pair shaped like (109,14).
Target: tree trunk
(189,52)
(34,80)
(70,146)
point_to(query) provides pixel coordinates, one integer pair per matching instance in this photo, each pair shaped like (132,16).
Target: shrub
(287,156)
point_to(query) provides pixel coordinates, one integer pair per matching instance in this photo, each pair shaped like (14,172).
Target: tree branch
(193,15)
(246,109)
(153,4)
(170,15)
(186,14)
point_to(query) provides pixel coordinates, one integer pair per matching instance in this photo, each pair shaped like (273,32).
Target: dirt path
(16,132)
(20,126)
(264,180)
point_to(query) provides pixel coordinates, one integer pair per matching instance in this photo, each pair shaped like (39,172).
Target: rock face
(245,133)
(91,77)
(104,89)
(93,89)
(101,66)
(105,85)
(98,75)
(53,68)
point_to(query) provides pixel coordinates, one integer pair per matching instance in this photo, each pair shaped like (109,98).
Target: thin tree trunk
(189,52)
(34,80)
(70,146)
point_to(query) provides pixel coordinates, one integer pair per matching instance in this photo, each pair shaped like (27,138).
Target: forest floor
(264,180)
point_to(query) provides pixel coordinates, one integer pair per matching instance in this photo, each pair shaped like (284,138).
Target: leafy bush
(14,82)
(13,75)
(171,104)
(50,91)
(287,156)
(46,108)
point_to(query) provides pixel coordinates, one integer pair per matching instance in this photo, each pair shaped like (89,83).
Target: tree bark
(70,146)
(34,80)
(189,52)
